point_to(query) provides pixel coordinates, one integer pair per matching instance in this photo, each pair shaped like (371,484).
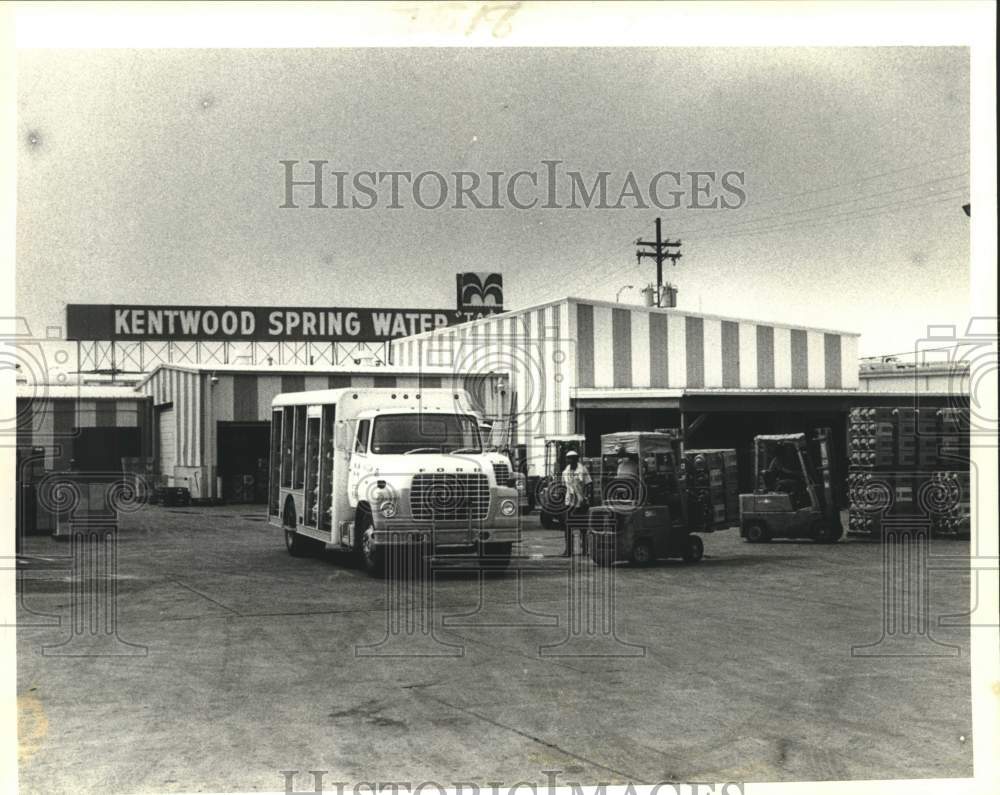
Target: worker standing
(578,490)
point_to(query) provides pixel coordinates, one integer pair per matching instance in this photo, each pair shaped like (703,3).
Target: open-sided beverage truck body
(646,510)
(367,470)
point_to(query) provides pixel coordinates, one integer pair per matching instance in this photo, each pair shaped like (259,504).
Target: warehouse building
(571,365)
(593,367)
(596,367)
(83,428)
(87,429)
(914,378)
(213,421)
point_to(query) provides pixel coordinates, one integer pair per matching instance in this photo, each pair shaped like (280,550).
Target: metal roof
(678,392)
(314,369)
(630,307)
(77,392)
(769,391)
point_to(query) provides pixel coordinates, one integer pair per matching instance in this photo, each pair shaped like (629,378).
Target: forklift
(644,513)
(795,494)
(549,491)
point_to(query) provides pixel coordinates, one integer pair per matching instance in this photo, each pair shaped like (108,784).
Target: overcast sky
(154,177)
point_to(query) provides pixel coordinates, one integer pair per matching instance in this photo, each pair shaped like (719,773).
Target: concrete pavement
(236,661)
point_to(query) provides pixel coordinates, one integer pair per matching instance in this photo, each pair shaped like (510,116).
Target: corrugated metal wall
(247,397)
(49,423)
(199,405)
(184,389)
(632,347)
(536,348)
(552,350)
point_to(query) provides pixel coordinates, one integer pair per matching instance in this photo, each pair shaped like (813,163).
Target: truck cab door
(359,460)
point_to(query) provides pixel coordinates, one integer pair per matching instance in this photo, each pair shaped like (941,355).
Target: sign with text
(262,324)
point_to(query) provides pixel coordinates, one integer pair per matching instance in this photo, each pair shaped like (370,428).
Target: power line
(858,212)
(920,164)
(863,197)
(661,250)
(784,197)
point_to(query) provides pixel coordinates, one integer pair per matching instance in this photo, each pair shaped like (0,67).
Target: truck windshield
(395,434)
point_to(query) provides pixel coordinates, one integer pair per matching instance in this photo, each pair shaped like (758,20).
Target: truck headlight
(387,508)
(508,508)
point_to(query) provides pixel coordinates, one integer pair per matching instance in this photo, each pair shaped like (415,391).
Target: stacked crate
(908,462)
(712,480)
(732,484)
(594,469)
(906,437)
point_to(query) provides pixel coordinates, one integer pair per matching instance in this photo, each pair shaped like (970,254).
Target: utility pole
(661,251)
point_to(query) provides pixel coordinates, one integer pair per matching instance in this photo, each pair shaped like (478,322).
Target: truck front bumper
(413,533)
(494,528)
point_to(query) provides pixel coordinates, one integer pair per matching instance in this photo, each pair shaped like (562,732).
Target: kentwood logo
(476,290)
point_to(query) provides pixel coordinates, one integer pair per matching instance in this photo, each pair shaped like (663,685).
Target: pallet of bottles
(904,437)
(941,497)
(712,480)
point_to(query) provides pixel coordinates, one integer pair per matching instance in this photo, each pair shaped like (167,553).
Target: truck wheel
(297,546)
(371,556)
(694,549)
(495,556)
(756,533)
(642,553)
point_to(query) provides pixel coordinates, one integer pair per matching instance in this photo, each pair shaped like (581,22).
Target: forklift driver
(578,492)
(783,475)
(628,467)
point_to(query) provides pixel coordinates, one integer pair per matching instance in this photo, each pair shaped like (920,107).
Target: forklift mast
(826,469)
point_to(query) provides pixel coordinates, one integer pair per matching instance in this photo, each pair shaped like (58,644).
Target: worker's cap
(572,453)
(621,450)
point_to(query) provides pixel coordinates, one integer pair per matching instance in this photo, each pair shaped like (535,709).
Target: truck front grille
(449,496)
(502,473)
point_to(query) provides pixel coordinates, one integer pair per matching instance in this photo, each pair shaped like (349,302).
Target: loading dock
(80,428)
(242,454)
(595,367)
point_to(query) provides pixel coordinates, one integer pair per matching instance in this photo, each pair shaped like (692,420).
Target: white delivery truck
(368,470)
